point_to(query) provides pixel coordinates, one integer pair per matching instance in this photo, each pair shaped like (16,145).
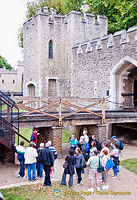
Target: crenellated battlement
(98,26)
(108,41)
(7,71)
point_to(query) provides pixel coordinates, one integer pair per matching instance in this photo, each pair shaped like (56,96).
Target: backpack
(87,147)
(121,146)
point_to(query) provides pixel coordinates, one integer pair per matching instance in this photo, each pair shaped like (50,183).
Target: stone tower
(48,40)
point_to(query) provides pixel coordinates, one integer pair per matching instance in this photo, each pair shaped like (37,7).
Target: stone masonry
(71,55)
(64,31)
(106,65)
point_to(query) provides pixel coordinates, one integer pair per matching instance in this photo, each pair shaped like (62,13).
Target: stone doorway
(122,83)
(31,90)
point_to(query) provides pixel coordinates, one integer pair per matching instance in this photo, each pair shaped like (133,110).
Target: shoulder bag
(100,169)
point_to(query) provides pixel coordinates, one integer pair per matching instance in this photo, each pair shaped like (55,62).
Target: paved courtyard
(123,188)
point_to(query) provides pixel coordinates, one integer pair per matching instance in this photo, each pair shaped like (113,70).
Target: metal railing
(7,125)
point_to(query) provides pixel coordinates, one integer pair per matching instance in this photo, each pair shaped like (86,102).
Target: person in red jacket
(34,136)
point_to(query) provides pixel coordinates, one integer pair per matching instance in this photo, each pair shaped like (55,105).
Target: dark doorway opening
(135,93)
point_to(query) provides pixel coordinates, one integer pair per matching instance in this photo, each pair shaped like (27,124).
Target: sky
(12,17)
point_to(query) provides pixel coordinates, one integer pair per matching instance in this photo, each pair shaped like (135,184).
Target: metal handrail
(11,103)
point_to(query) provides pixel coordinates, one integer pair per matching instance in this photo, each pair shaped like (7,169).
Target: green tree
(4,63)
(121,13)
(61,6)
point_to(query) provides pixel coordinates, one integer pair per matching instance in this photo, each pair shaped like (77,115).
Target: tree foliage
(61,6)
(4,63)
(121,13)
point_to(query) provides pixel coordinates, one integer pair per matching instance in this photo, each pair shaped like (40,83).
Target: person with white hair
(30,160)
(86,138)
(46,157)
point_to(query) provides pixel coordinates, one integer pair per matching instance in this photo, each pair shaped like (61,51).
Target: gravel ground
(123,188)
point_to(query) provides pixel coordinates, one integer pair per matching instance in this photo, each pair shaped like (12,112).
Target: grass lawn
(130,164)
(65,135)
(28,131)
(37,192)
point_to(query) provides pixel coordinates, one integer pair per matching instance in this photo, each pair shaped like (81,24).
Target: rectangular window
(52,88)
(13,81)
(2,81)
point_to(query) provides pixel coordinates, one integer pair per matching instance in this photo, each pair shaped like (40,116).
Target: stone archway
(121,83)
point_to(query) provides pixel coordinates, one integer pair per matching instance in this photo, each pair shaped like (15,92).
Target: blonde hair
(78,151)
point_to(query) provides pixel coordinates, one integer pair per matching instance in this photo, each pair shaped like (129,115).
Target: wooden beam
(80,109)
(60,116)
(124,126)
(103,111)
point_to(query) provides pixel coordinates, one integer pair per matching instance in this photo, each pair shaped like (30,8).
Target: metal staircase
(8,126)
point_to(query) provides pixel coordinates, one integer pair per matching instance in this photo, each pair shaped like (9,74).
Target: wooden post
(39,102)
(60,116)
(103,111)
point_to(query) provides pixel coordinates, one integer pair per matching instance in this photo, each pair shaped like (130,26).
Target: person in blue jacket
(73,142)
(20,156)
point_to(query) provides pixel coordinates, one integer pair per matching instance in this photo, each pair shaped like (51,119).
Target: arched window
(50,49)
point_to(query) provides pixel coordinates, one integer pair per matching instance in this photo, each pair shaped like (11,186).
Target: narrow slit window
(50,49)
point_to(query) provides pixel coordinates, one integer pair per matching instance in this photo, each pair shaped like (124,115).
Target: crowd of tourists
(36,158)
(88,151)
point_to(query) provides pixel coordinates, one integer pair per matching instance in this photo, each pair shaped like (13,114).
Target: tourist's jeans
(39,169)
(31,167)
(70,182)
(115,170)
(78,170)
(47,169)
(22,168)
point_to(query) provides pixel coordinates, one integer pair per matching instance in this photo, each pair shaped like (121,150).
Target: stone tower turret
(48,41)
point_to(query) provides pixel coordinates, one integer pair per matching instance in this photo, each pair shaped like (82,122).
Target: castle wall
(11,80)
(95,62)
(64,31)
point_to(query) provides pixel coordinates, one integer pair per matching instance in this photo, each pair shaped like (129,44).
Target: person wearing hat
(34,136)
(116,141)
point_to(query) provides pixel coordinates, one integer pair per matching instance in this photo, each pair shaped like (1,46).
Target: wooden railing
(60,107)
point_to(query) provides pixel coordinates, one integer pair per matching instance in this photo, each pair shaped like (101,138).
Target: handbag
(100,168)
(65,165)
(109,164)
